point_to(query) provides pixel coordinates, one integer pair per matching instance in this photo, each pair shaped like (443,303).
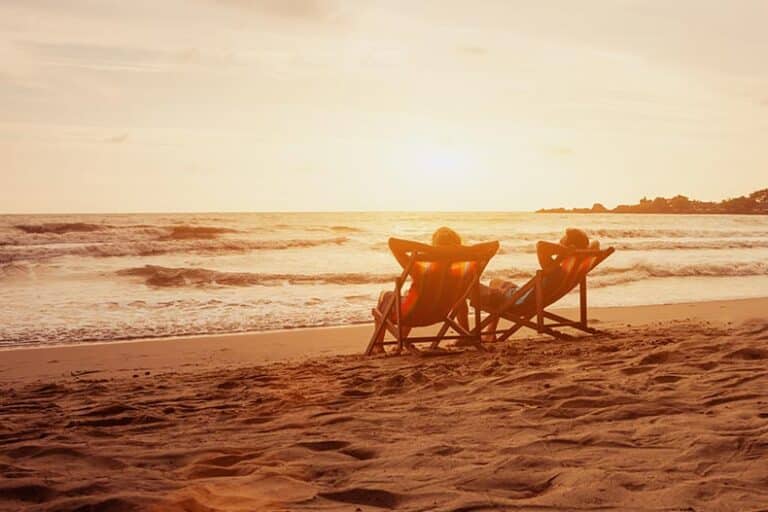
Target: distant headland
(755,203)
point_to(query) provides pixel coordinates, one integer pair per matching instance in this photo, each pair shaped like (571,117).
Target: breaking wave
(154,275)
(672,233)
(87,277)
(609,234)
(661,245)
(346,229)
(154,248)
(186,232)
(613,276)
(159,276)
(513,246)
(61,227)
(752,268)
(713,244)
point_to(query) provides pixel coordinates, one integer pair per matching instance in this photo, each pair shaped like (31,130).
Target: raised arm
(550,254)
(402,248)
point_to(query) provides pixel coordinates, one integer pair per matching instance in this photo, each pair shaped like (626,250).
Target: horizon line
(187,212)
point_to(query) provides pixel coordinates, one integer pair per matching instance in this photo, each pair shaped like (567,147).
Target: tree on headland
(680,204)
(754,203)
(660,205)
(739,205)
(761,198)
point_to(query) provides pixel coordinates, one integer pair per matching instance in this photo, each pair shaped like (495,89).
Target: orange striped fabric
(559,282)
(572,271)
(435,289)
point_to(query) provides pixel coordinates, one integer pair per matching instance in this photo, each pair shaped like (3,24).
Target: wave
(158,276)
(612,276)
(186,232)
(61,227)
(666,233)
(672,233)
(597,234)
(163,232)
(668,245)
(154,248)
(515,247)
(750,268)
(306,227)
(346,229)
(691,245)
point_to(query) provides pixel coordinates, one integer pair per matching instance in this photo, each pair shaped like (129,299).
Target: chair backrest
(560,280)
(440,277)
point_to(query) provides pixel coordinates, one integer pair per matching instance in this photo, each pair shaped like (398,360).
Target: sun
(428,164)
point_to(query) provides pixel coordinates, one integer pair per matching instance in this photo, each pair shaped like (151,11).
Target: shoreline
(666,412)
(233,350)
(352,325)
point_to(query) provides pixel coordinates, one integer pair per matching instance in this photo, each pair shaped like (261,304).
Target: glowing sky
(235,105)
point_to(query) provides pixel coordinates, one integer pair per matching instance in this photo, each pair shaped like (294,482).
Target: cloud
(473,50)
(94,55)
(189,56)
(119,58)
(298,9)
(561,151)
(15,88)
(117,139)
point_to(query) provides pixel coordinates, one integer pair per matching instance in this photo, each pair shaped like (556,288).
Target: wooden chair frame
(537,319)
(382,318)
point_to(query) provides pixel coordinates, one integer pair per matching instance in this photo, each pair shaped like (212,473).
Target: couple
(549,256)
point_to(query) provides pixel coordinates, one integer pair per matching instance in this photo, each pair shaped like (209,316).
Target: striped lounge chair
(442,278)
(526,307)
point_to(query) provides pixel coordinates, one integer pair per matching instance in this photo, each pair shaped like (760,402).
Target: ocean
(85,278)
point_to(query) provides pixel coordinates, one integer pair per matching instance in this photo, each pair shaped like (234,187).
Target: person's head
(575,239)
(444,237)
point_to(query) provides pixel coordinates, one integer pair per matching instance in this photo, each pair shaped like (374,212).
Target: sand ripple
(673,417)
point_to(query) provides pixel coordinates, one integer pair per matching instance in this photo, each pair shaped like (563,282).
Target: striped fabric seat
(545,289)
(441,279)
(436,287)
(560,280)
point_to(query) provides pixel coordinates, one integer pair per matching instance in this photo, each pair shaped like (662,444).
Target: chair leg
(440,334)
(509,332)
(583,302)
(380,324)
(539,302)
(398,321)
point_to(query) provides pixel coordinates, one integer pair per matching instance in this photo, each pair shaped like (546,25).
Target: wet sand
(668,411)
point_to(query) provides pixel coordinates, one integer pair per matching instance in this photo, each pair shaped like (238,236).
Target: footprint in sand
(362,496)
(341,447)
(323,446)
(748,354)
(29,493)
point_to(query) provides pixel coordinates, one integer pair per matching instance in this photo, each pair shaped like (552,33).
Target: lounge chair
(442,279)
(526,307)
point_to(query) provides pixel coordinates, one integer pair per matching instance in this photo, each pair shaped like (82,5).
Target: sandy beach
(211,211)
(667,411)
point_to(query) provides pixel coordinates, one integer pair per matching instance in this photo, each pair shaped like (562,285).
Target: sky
(332,105)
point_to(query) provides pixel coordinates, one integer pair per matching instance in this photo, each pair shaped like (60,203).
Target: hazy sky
(236,105)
